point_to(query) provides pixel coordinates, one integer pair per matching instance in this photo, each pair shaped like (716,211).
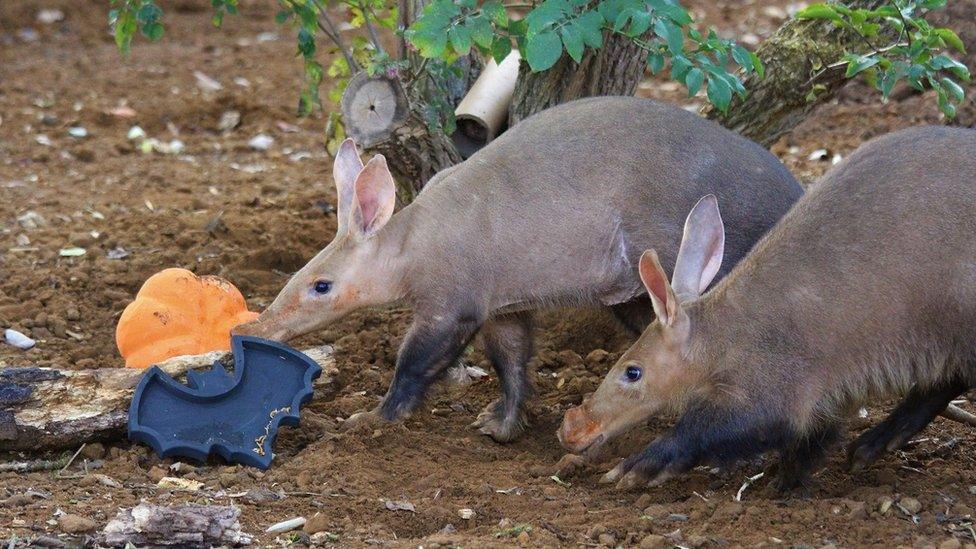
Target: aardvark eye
(633,373)
(322,286)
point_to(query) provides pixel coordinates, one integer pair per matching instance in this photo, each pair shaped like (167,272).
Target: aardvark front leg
(704,434)
(429,348)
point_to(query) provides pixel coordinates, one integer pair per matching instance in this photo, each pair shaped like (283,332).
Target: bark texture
(799,76)
(189,525)
(49,409)
(614,69)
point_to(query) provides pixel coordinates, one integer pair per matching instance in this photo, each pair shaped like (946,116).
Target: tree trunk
(49,409)
(801,72)
(614,69)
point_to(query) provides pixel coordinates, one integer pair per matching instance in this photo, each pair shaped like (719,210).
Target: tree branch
(369,27)
(326,25)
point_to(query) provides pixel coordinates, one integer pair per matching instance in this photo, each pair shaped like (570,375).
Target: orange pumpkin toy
(179,313)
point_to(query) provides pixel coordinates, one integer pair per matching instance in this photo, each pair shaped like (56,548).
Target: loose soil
(255,216)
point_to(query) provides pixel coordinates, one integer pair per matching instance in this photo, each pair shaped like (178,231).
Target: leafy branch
(920,55)
(448,29)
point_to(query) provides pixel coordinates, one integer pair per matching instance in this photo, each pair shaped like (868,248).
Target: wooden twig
(369,27)
(956,413)
(71,460)
(32,466)
(327,26)
(746,484)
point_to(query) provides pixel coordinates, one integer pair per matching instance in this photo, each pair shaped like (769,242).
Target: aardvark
(865,289)
(554,212)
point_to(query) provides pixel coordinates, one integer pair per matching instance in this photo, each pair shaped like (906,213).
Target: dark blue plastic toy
(233,415)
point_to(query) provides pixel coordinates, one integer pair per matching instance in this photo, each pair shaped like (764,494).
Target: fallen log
(49,409)
(188,525)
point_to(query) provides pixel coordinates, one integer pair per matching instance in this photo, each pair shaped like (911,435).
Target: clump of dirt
(221,207)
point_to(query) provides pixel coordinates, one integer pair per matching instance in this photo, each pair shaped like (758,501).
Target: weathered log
(189,525)
(50,409)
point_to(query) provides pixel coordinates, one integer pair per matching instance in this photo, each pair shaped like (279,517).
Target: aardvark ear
(702,246)
(662,296)
(345,169)
(374,197)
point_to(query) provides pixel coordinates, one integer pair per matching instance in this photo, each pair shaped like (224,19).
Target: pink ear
(345,169)
(374,197)
(662,296)
(702,247)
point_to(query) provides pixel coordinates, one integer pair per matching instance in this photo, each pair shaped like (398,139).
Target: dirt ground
(222,208)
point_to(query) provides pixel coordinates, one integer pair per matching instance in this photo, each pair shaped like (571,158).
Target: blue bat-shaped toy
(233,415)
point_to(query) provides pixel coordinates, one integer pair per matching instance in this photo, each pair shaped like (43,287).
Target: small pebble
(50,16)
(261,142)
(911,505)
(31,220)
(17,339)
(75,524)
(654,541)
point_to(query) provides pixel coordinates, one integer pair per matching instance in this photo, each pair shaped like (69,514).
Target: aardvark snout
(579,430)
(260,328)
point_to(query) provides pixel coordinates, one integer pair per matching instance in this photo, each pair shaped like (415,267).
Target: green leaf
(742,57)
(154,31)
(573,41)
(952,39)
(694,80)
(460,39)
(495,12)
(545,15)
(890,77)
(543,50)
(944,62)
(954,89)
(655,62)
(148,13)
(757,65)
(819,11)
(672,11)
(481,31)
(283,16)
(639,23)
(671,34)
(501,48)
(590,25)
(857,64)
(622,19)
(719,93)
(946,106)
(680,65)
(306,43)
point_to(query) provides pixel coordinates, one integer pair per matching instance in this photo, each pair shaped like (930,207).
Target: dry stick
(332,32)
(748,481)
(956,413)
(32,466)
(70,461)
(369,27)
